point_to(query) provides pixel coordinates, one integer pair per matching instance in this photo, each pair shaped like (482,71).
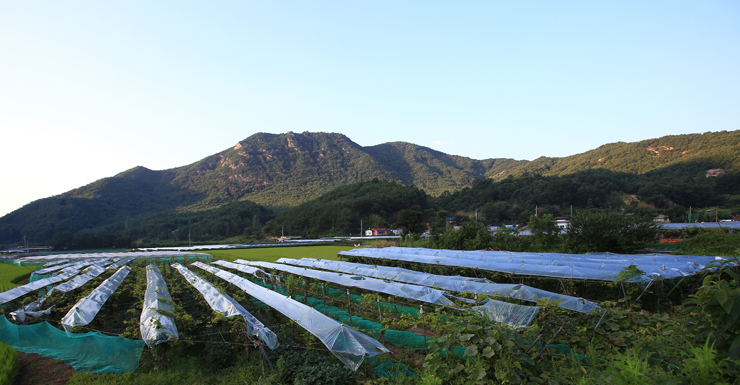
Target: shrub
(710,243)
(715,310)
(311,368)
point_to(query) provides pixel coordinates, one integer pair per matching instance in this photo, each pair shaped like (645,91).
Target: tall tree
(614,232)
(410,221)
(545,231)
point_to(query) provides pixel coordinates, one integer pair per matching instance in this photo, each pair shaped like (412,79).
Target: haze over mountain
(292,168)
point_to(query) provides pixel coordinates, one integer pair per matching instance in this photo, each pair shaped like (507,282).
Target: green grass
(272,254)
(8,364)
(12,273)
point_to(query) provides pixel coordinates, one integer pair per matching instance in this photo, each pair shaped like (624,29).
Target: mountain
(288,169)
(293,168)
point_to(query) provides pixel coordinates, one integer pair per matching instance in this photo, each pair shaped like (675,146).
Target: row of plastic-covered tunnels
(349,345)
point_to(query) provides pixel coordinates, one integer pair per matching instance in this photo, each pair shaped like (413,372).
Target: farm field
(634,325)
(10,273)
(272,254)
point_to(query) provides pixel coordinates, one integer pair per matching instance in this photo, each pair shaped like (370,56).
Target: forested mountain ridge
(713,149)
(292,168)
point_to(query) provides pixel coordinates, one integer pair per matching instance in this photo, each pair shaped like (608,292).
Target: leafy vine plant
(715,310)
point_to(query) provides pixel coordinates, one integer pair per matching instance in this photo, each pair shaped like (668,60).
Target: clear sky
(89,89)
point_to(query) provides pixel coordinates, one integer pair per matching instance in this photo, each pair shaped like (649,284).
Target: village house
(374,232)
(562,222)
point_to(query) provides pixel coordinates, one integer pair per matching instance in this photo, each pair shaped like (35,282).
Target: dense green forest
(511,200)
(671,193)
(243,220)
(376,203)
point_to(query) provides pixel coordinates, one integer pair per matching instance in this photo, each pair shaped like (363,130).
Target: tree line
(350,209)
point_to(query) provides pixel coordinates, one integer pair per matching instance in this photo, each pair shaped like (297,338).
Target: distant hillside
(290,169)
(711,149)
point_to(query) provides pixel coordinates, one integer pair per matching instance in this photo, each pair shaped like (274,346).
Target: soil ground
(35,370)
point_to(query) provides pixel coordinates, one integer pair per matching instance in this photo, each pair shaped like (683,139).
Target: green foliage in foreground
(717,308)
(8,364)
(182,370)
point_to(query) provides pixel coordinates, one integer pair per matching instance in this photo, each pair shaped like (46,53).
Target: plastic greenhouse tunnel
(90,273)
(20,291)
(87,275)
(409,291)
(604,267)
(85,310)
(450,283)
(510,312)
(228,307)
(241,267)
(71,265)
(155,323)
(503,312)
(348,345)
(54,263)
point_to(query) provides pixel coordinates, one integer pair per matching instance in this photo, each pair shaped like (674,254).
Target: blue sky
(89,89)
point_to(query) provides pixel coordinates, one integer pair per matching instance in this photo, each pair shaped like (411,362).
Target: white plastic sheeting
(105,255)
(20,315)
(70,265)
(605,267)
(446,282)
(32,309)
(155,324)
(415,292)
(241,267)
(20,291)
(511,314)
(404,290)
(228,307)
(54,263)
(90,273)
(87,275)
(348,345)
(702,225)
(120,263)
(85,310)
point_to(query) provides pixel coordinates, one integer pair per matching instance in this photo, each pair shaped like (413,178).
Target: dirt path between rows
(35,370)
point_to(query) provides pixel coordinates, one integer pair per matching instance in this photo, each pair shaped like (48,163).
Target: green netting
(36,277)
(400,338)
(388,307)
(390,369)
(16,262)
(184,258)
(86,352)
